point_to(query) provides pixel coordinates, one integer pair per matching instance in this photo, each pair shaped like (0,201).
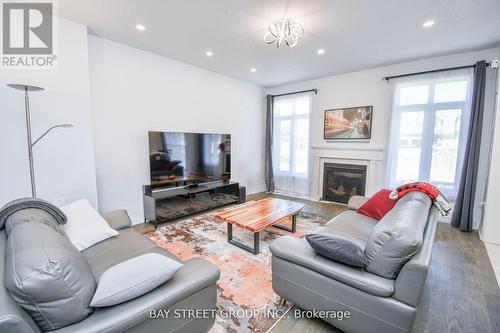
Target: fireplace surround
(342,181)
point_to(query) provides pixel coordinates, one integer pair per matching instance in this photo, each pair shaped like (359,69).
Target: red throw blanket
(437,197)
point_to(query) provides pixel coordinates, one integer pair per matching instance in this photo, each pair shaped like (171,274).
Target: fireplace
(342,181)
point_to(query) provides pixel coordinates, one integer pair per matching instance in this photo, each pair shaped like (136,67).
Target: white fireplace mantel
(372,157)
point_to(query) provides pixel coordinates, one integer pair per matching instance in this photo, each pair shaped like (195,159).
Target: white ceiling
(356,34)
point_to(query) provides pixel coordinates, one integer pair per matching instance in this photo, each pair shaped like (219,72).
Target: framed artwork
(348,123)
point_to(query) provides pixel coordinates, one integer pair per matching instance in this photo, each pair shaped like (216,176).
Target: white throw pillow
(133,278)
(85,227)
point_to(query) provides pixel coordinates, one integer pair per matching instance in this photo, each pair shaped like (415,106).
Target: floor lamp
(31,144)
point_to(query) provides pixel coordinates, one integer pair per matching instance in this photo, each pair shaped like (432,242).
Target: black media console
(165,204)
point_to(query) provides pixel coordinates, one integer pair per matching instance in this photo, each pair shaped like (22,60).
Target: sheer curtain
(176,144)
(211,153)
(291,144)
(430,117)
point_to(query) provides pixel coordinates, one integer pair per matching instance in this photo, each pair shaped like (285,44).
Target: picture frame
(351,123)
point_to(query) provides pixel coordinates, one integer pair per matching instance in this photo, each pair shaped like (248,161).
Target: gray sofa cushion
(299,252)
(353,224)
(133,278)
(341,248)
(118,219)
(398,235)
(128,244)
(356,201)
(184,290)
(47,276)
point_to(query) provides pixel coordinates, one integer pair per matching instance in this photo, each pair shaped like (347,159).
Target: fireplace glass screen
(342,181)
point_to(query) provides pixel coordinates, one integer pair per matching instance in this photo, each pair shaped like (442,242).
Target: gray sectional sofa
(385,295)
(192,287)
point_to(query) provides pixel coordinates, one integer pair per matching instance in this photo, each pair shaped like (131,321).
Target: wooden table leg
(254,250)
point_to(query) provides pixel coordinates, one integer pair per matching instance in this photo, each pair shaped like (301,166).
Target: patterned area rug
(245,283)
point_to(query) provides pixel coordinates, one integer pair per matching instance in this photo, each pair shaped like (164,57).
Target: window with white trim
(429,129)
(291,143)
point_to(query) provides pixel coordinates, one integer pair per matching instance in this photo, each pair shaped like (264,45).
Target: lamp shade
(24,87)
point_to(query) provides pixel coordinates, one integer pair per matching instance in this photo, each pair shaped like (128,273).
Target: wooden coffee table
(256,216)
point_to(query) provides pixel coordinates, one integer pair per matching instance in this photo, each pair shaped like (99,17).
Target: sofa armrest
(13,318)
(118,219)
(356,201)
(301,253)
(411,279)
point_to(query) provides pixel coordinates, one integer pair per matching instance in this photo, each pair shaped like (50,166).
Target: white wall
(64,160)
(133,91)
(367,88)
(490,228)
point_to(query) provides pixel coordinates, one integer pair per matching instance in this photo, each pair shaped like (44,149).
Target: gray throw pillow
(341,248)
(133,278)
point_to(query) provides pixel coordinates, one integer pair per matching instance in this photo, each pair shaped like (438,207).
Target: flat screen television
(181,159)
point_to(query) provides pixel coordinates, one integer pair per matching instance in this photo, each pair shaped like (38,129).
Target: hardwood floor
(461,293)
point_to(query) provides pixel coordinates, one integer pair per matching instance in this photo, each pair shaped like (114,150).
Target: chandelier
(284,30)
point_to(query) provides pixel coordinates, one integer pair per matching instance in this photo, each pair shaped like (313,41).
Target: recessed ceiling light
(253,70)
(209,53)
(321,51)
(428,24)
(140,27)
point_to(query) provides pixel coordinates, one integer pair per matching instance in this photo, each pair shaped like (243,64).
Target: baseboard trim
(256,189)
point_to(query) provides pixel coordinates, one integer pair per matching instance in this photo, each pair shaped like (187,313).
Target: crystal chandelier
(284,30)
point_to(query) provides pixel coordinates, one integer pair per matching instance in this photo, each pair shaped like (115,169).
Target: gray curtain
(269,144)
(464,206)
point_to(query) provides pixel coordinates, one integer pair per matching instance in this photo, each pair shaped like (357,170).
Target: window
(429,129)
(291,143)
(175,144)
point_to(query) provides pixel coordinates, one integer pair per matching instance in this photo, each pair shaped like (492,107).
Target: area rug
(246,301)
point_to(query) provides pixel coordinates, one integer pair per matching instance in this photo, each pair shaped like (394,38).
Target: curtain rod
(297,92)
(387,78)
